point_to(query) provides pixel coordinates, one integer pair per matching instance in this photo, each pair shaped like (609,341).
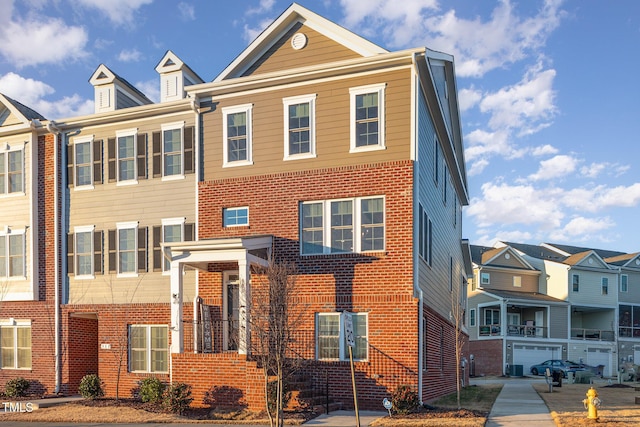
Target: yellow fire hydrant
(592,403)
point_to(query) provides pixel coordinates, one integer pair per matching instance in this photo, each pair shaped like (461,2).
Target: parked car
(563,366)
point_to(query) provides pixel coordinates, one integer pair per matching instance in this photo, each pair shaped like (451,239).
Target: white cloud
(544,150)
(264,7)
(30,42)
(119,12)
(187,11)
(129,55)
(468,98)
(32,93)
(555,167)
(526,107)
(580,226)
(251,33)
(151,88)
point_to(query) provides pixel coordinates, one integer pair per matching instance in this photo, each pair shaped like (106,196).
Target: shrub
(151,389)
(16,387)
(91,387)
(272,390)
(177,398)
(405,399)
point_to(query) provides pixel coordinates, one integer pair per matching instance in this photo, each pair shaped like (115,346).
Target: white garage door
(527,355)
(600,356)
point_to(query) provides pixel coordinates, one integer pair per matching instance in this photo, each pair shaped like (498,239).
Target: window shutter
(142,249)
(112,251)
(142,156)
(157,154)
(111,153)
(97,162)
(97,252)
(157,250)
(189,232)
(70,254)
(189,164)
(70,181)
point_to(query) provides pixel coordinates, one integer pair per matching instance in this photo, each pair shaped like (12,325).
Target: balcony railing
(525,331)
(592,334)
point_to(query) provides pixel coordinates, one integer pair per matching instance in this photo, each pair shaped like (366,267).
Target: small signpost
(351,342)
(388,405)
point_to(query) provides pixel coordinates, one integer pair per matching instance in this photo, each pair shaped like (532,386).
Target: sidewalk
(345,419)
(518,405)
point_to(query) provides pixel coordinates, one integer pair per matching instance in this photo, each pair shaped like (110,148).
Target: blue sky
(548,89)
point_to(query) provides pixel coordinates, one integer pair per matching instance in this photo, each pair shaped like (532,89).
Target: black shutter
(189,135)
(97,251)
(111,153)
(70,165)
(189,232)
(112,251)
(97,162)
(142,250)
(157,154)
(157,250)
(142,156)
(70,254)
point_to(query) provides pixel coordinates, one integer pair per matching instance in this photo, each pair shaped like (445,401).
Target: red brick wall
(83,350)
(488,357)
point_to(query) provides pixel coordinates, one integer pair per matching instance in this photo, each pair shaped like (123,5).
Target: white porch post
(177,329)
(244,301)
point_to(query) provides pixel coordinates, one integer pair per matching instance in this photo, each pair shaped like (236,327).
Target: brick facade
(488,357)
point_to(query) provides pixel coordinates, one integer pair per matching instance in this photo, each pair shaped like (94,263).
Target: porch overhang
(245,251)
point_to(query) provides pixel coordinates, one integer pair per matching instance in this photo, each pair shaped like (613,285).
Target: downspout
(53,129)
(421,338)
(503,328)
(195,106)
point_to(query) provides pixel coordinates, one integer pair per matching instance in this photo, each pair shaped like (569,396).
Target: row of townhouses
(531,303)
(131,238)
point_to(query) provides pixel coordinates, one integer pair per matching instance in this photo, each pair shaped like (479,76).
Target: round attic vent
(638,262)
(590,260)
(507,256)
(298,41)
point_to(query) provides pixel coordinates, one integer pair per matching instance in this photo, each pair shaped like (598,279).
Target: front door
(231,309)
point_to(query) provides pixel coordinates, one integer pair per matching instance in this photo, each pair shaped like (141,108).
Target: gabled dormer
(112,92)
(588,259)
(13,113)
(175,76)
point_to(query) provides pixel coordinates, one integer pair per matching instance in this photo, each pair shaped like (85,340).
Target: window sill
(238,163)
(367,148)
(299,157)
(126,183)
(126,275)
(83,187)
(173,177)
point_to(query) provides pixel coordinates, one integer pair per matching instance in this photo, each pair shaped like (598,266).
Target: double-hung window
(624,283)
(485,278)
(84,162)
(331,343)
(425,242)
(345,225)
(172,230)
(84,251)
(605,285)
(13,254)
(237,135)
(12,171)
(127,157)
(128,249)
(15,345)
(299,125)
(575,282)
(148,348)
(172,149)
(367,117)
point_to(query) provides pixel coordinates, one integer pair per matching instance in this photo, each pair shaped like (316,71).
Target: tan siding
(504,281)
(511,262)
(319,50)
(332,127)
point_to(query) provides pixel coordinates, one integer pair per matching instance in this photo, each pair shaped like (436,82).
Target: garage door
(600,356)
(527,355)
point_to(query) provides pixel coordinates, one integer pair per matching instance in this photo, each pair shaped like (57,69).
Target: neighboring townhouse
(130,187)
(326,151)
(314,147)
(512,324)
(29,238)
(628,306)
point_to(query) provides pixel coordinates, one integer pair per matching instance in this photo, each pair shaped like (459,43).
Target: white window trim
(83,229)
(482,282)
(127,226)
(148,348)
(517,281)
(343,351)
(14,324)
(172,126)
(311,100)
(8,232)
(626,285)
(360,90)
(245,108)
(121,134)
(74,142)
(171,221)
(473,319)
(9,149)
(235,208)
(604,286)
(357,224)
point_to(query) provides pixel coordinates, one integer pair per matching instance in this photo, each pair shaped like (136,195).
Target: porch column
(177,329)
(244,301)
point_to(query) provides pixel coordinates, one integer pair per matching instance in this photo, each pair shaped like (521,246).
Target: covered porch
(233,331)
